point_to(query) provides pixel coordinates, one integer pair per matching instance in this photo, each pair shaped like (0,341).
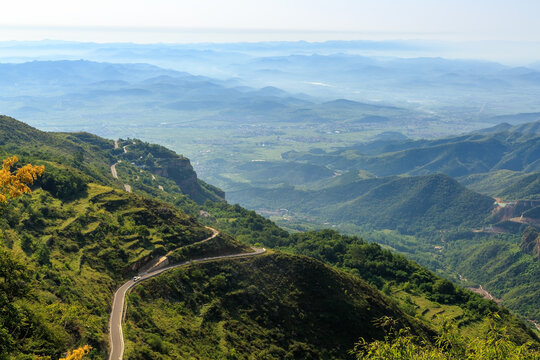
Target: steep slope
(413,204)
(93,156)
(530,242)
(75,253)
(66,248)
(165,163)
(515,149)
(274,307)
(499,264)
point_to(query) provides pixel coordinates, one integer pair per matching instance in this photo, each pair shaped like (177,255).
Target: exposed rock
(530,242)
(179,170)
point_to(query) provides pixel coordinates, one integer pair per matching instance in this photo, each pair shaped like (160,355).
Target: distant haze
(143,21)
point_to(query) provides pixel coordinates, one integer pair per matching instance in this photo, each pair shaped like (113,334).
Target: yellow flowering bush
(14,184)
(78,354)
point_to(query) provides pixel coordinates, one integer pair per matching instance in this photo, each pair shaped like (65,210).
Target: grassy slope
(80,243)
(499,265)
(271,307)
(368,261)
(81,250)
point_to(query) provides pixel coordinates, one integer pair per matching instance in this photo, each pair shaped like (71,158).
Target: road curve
(116,337)
(113,169)
(114,174)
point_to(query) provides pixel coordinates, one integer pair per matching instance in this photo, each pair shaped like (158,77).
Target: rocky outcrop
(166,163)
(179,170)
(530,242)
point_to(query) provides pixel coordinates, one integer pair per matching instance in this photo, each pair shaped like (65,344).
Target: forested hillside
(515,149)
(413,205)
(274,307)
(66,248)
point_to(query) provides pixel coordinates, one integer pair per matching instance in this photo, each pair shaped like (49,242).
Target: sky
(148,21)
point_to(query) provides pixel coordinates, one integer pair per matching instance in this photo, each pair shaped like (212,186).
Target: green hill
(515,149)
(93,156)
(72,255)
(527,187)
(414,204)
(506,184)
(65,249)
(273,307)
(499,264)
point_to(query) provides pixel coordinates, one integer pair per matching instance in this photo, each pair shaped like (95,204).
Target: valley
(287,210)
(84,236)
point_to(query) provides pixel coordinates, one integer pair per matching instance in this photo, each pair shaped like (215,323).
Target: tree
(78,354)
(14,276)
(15,183)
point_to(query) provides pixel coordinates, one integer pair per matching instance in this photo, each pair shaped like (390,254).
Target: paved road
(115,175)
(116,337)
(113,169)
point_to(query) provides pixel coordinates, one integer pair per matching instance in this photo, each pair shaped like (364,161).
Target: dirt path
(485,294)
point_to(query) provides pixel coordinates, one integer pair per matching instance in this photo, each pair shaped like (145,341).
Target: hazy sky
(229,20)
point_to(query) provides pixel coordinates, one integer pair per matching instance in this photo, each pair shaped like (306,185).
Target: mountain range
(82,232)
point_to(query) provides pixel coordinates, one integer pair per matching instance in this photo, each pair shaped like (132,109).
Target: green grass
(251,307)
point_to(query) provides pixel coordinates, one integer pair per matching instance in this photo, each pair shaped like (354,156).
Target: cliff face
(166,163)
(179,170)
(530,242)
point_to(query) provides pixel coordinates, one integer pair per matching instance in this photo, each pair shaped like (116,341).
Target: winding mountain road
(116,336)
(113,169)
(114,173)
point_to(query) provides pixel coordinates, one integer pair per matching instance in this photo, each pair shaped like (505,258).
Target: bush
(65,184)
